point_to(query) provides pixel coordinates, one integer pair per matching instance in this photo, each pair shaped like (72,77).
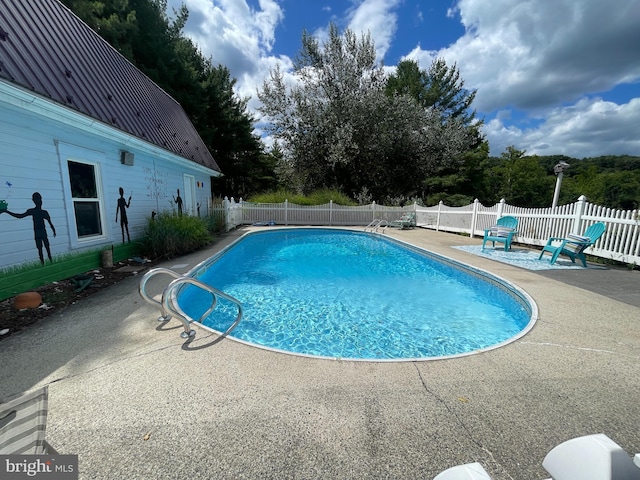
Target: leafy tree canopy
(337,127)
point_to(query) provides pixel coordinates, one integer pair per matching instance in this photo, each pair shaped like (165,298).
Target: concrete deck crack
(113,362)
(459,421)
(584,349)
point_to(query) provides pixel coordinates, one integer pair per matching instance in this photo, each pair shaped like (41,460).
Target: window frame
(189,193)
(69,153)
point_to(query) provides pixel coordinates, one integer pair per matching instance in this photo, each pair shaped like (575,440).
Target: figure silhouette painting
(122,210)
(38,215)
(178,201)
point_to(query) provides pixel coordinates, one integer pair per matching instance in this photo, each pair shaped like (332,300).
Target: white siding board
(29,159)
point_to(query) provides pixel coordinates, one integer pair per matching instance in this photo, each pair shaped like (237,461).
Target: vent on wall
(126,158)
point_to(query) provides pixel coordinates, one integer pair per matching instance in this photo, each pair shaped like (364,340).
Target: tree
(228,129)
(519,179)
(461,185)
(142,31)
(440,87)
(114,20)
(338,129)
(442,90)
(408,80)
(613,188)
(445,91)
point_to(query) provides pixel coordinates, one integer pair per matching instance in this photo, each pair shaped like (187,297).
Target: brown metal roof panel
(21,64)
(75,66)
(37,54)
(55,54)
(49,54)
(84,63)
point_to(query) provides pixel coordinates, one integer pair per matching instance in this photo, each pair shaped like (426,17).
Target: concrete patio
(135,401)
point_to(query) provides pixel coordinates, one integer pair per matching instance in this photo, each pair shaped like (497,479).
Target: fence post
(577,219)
(474,217)
(500,209)
(225,212)
(330,213)
(232,204)
(373,210)
(286,212)
(440,203)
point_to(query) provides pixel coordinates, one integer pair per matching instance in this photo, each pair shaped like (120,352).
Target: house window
(86,198)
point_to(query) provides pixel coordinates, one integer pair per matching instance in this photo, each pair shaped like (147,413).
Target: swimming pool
(353,295)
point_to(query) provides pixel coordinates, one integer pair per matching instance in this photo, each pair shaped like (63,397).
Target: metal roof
(47,49)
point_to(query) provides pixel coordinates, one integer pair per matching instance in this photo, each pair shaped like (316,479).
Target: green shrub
(277,196)
(215,222)
(168,235)
(319,197)
(455,200)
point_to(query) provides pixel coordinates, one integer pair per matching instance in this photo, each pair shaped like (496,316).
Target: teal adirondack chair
(573,246)
(503,231)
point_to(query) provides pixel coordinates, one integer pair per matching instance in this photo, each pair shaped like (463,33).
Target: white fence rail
(620,242)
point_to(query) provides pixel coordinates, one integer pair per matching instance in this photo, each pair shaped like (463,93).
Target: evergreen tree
(142,32)
(440,87)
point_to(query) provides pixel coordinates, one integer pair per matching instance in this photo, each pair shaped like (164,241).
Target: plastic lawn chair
(573,246)
(503,231)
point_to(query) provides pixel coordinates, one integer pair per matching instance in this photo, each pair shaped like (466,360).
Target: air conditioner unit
(126,158)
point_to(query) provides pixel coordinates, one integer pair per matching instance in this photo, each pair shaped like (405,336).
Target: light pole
(558,169)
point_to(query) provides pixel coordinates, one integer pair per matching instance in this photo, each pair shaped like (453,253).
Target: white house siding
(35,146)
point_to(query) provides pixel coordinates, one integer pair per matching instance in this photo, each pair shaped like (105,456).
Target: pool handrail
(168,303)
(377,223)
(143,293)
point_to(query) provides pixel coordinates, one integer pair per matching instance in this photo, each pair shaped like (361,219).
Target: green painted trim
(16,283)
(126,250)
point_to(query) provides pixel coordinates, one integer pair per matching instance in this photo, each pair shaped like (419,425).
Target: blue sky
(552,77)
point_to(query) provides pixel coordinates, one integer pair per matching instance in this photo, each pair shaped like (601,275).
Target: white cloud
(241,38)
(534,54)
(424,58)
(232,33)
(378,18)
(589,128)
(538,57)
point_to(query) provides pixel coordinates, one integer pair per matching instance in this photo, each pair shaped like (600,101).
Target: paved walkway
(617,283)
(134,401)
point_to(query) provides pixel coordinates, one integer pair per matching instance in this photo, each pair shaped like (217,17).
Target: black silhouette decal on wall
(38,216)
(122,210)
(178,200)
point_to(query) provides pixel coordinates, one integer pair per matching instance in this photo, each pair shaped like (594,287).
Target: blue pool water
(353,295)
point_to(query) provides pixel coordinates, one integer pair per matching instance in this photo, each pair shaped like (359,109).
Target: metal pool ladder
(377,223)
(168,304)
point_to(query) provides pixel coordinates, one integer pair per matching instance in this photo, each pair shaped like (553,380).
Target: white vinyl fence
(620,242)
